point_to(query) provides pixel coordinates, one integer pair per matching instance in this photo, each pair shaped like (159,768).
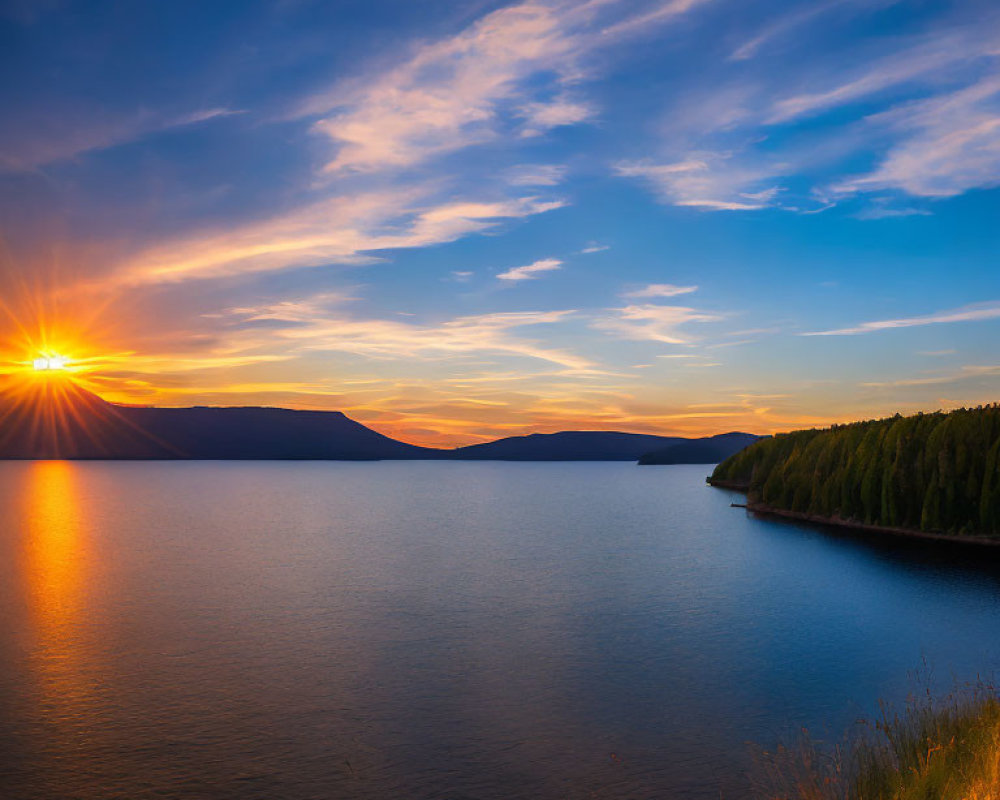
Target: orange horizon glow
(47,401)
(56,343)
(57,334)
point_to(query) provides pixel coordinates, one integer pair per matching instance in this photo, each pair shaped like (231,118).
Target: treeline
(931,472)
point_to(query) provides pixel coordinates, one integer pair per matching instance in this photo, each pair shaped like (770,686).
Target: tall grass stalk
(947,750)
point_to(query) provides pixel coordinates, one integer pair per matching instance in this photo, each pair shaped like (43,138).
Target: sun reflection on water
(56,566)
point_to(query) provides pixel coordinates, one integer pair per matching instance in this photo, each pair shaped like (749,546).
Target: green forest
(930,472)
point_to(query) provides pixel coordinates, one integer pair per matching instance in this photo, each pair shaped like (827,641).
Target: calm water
(434,630)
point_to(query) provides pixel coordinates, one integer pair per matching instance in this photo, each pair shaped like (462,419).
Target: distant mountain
(567,446)
(710,450)
(52,417)
(268,433)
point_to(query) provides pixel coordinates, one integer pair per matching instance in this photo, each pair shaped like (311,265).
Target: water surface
(441,630)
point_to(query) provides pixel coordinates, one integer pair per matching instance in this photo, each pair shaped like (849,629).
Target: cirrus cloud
(342,230)
(974,313)
(530,271)
(655,323)
(661,290)
(508,70)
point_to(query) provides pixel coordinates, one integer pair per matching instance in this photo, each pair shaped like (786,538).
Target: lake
(293,630)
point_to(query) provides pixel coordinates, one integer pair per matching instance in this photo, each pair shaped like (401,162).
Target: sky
(456,221)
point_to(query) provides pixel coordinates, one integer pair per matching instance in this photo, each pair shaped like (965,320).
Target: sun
(50,363)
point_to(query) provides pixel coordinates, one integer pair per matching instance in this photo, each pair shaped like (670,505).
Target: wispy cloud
(536,174)
(709,181)
(974,313)
(728,148)
(343,230)
(655,323)
(542,117)
(447,96)
(783,25)
(531,271)
(314,327)
(660,290)
(881,209)
(925,58)
(949,144)
(967,372)
(499,73)
(647,20)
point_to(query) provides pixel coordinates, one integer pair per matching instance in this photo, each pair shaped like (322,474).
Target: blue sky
(456,221)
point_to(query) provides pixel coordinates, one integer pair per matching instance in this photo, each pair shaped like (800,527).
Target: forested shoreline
(932,473)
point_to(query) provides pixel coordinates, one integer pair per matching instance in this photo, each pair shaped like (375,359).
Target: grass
(931,751)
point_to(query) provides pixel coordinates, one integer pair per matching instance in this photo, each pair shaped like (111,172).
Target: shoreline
(853,525)
(737,486)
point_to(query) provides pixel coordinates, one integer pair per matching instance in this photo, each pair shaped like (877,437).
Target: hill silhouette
(710,450)
(55,418)
(48,417)
(568,446)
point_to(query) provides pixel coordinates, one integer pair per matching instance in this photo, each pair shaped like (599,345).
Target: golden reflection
(56,560)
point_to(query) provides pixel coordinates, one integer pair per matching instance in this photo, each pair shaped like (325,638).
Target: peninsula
(930,475)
